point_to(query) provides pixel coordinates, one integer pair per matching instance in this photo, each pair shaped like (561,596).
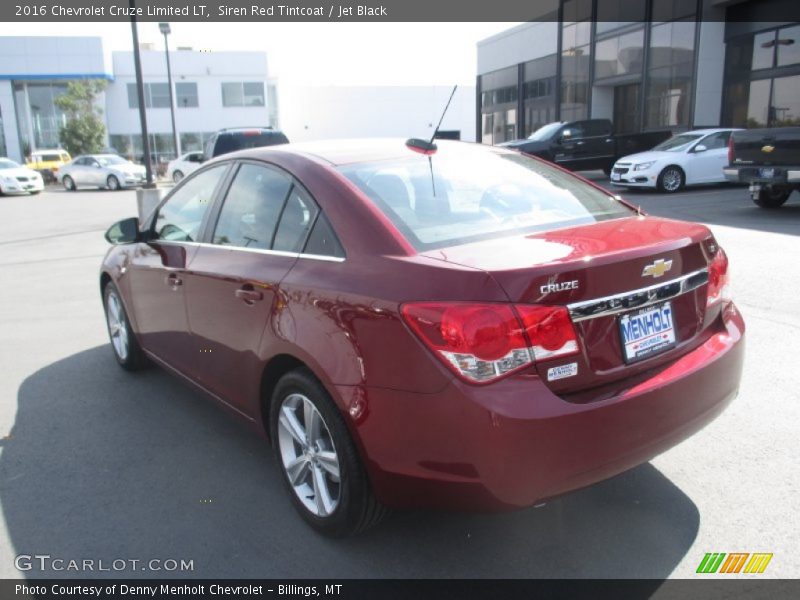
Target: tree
(84,132)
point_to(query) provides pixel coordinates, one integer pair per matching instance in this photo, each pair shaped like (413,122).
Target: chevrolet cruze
(460,327)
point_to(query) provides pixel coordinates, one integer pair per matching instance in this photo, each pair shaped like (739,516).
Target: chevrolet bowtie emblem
(767,148)
(657,269)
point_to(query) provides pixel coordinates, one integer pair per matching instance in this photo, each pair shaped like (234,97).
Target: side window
(81,162)
(252,208)
(296,220)
(322,240)
(180,218)
(596,128)
(716,141)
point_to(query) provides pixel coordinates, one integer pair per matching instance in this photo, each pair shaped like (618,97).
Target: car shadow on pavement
(106,465)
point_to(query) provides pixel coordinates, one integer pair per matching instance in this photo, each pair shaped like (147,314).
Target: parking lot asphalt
(96,463)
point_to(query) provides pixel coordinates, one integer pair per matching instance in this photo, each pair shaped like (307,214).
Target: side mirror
(566,135)
(700,148)
(124,232)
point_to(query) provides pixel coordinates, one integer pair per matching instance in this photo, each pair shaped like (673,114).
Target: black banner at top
(386,10)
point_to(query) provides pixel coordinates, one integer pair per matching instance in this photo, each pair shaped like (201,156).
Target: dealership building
(647,65)
(212,91)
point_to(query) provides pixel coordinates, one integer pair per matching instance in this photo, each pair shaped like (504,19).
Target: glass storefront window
(614,14)
(758,104)
(499,94)
(619,55)
(3,151)
(763,51)
(785,107)
(667,10)
(669,78)
(539,93)
(788,44)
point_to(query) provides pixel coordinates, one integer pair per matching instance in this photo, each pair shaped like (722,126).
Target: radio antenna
(444,112)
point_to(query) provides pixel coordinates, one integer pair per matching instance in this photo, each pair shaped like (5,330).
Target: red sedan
(463,327)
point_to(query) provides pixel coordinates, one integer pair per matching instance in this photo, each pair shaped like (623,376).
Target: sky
(315,53)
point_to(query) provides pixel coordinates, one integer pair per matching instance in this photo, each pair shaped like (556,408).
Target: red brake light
(718,278)
(483,342)
(549,329)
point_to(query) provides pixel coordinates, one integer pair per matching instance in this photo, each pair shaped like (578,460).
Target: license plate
(767,173)
(615,176)
(646,332)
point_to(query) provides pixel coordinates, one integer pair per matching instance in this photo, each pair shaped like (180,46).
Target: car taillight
(718,278)
(549,330)
(483,342)
(730,149)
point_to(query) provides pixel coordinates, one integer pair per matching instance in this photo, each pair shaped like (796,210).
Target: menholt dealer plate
(646,332)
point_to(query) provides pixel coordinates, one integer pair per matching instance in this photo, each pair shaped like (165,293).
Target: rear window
(49,157)
(469,192)
(231,142)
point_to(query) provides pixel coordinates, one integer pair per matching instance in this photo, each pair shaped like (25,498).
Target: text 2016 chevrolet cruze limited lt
(463,327)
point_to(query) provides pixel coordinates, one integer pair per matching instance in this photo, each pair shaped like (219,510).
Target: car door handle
(173,280)
(248,295)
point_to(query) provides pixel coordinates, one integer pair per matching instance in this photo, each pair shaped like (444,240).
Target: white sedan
(101,170)
(16,179)
(691,158)
(183,165)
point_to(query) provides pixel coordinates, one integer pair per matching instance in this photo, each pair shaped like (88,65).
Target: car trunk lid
(605,273)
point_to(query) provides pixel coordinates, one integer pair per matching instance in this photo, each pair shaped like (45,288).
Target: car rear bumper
(514,443)
(779,175)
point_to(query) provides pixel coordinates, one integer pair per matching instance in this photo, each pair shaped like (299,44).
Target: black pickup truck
(585,145)
(768,160)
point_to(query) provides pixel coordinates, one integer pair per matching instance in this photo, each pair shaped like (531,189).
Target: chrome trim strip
(255,250)
(647,296)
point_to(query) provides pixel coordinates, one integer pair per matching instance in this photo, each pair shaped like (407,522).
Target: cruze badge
(767,148)
(657,269)
(559,287)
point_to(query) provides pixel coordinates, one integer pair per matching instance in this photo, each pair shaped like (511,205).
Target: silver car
(101,170)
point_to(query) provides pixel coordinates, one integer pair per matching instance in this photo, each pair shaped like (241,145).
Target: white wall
(54,57)
(208,70)
(522,43)
(330,112)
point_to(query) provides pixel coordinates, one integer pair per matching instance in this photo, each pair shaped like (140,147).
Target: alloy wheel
(672,180)
(117,326)
(309,458)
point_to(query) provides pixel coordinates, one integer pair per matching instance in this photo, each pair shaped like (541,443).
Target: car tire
(607,170)
(671,180)
(772,197)
(333,493)
(69,183)
(177,176)
(124,344)
(112,183)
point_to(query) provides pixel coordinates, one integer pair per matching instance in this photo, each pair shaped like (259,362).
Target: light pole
(140,95)
(165,29)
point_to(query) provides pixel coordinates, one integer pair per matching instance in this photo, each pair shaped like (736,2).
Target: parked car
(462,327)
(184,165)
(692,158)
(48,162)
(101,170)
(16,179)
(768,160)
(242,138)
(584,145)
